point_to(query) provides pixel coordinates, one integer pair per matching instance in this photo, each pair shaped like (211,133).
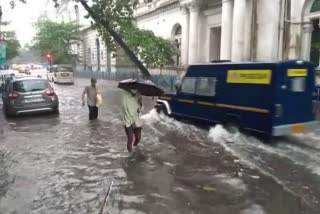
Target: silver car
(28,95)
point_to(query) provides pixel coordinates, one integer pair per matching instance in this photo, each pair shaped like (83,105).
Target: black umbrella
(145,87)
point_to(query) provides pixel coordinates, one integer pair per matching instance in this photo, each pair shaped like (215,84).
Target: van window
(317,79)
(206,87)
(298,84)
(188,85)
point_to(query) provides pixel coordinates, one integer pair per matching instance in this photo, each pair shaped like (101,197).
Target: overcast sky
(23,16)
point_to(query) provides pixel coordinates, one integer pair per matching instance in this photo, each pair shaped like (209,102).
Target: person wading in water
(91,92)
(130,115)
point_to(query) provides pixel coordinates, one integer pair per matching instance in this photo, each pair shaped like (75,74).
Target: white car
(61,74)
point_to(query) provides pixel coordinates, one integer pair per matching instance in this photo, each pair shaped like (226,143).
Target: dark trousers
(93,112)
(133,135)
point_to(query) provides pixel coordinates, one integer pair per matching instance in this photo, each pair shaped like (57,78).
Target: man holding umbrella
(132,107)
(130,111)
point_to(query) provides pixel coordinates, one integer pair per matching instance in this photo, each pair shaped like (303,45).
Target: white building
(206,30)
(237,30)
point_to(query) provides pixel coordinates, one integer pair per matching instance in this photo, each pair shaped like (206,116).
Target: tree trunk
(118,39)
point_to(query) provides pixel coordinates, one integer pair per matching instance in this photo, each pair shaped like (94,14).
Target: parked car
(28,95)
(271,99)
(61,74)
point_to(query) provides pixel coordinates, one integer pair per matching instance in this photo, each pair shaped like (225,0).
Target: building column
(194,33)
(306,42)
(238,31)
(185,36)
(226,30)
(248,20)
(295,30)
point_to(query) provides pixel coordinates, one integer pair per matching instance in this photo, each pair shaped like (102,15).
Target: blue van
(273,99)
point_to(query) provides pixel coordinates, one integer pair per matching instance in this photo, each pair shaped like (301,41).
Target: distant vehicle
(25,69)
(61,74)
(271,99)
(28,95)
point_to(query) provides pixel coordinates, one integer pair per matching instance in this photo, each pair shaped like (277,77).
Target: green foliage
(153,51)
(117,16)
(12,44)
(57,39)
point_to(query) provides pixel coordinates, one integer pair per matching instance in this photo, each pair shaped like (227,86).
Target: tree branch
(118,39)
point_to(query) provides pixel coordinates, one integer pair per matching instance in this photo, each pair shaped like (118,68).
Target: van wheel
(161,109)
(232,126)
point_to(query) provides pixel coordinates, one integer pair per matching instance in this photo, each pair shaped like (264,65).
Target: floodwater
(65,164)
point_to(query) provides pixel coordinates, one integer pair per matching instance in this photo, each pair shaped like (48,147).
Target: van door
(195,98)
(185,100)
(294,103)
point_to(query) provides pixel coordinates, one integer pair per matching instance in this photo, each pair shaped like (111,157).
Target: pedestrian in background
(131,110)
(92,94)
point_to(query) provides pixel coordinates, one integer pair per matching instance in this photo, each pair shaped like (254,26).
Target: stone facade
(206,30)
(237,30)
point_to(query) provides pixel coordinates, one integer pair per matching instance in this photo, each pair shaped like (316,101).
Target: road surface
(64,164)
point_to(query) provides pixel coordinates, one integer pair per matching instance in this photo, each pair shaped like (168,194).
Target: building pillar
(185,36)
(248,43)
(238,31)
(295,30)
(194,33)
(226,30)
(306,42)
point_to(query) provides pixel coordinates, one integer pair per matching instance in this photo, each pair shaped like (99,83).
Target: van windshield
(65,69)
(317,80)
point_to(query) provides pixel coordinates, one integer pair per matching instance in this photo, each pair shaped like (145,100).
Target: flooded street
(65,163)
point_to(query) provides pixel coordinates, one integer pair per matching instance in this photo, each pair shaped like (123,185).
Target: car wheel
(56,111)
(7,113)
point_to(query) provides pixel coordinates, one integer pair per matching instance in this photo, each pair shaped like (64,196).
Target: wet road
(64,164)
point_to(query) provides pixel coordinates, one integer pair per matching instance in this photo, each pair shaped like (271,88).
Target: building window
(188,85)
(92,56)
(89,55)
(315,7)
(315,43)
(206,87)
(177,32)
(214,43)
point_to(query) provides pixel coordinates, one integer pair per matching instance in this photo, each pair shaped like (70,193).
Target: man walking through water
(91,92)
(130,113)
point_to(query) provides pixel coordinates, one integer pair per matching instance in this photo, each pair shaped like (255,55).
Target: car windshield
(65,69)
(30,85)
